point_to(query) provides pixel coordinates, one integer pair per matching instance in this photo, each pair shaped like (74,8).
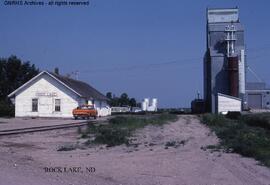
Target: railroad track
(43,128)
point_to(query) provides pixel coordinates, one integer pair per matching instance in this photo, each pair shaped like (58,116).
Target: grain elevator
(224,59)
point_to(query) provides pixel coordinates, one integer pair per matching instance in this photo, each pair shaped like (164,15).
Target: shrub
(6,109)
(233,115)
(214,119)
(170,143)
(175,144)
(67,147)
(112,136)
(258,120)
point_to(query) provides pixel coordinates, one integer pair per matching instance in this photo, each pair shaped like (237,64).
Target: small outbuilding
(53,95)
(258,96)
(226,103)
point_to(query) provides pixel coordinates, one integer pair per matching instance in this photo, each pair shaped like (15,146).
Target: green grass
(259,120)
(119,129)
(247,135)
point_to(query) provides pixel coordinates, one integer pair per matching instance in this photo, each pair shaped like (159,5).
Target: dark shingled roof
(84,89)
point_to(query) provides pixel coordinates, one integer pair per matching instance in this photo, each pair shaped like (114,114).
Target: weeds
(170,143)
(246,135)
(175,144)
(258,120)
(67,147)
(119,129)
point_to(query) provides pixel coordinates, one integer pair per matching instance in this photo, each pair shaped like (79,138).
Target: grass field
(248,135)
(119,129)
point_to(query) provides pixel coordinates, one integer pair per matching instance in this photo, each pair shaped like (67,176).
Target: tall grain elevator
(224,59)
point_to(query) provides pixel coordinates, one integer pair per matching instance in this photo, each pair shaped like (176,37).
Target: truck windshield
(86,107)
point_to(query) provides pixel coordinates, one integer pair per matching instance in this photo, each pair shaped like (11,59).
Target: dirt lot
(171,155)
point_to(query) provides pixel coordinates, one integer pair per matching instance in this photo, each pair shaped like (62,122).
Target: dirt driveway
(171,155)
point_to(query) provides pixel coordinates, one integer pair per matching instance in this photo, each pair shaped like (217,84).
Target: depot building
(52,95)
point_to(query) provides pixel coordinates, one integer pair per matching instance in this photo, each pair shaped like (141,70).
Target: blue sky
(146,48)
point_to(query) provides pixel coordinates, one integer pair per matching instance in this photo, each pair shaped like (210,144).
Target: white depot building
(52,95)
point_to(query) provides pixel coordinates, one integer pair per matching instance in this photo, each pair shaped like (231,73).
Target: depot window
(34,105)
(57,106)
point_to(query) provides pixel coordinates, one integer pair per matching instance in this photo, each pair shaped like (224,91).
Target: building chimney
(56,70)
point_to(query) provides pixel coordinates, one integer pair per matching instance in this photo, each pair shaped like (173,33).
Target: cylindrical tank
(144,107)
(154,104)
(147,102)
(233,76)
(242,72)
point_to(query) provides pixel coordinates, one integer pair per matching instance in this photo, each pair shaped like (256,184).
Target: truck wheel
(75,117)
(95,117)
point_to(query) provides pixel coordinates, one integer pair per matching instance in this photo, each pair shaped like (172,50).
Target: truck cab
(85,112)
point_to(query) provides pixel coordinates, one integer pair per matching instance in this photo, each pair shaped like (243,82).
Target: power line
(183,62)
(260,48)
(144,66)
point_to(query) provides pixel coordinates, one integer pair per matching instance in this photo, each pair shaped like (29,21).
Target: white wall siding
(46,90)
(102,108)
(227,103)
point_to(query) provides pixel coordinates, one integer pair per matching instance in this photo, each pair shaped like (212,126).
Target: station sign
(47,94)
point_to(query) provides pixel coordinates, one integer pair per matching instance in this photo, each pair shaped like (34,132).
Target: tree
(124,96)
(132,102)
(109,95)
(123,100)
(115,102)
(13,74)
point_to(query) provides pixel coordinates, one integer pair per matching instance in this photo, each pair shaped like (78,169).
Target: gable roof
(80,88)
(84,89)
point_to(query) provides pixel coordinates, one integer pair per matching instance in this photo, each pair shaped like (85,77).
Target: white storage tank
(154,103)
(144,107)
(146,100)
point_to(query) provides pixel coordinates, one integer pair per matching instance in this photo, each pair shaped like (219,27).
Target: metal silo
(154,104)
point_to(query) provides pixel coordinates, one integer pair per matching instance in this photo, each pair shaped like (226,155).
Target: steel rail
(43,128)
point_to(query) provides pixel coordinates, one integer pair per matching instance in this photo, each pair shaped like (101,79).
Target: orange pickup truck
(84,111)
